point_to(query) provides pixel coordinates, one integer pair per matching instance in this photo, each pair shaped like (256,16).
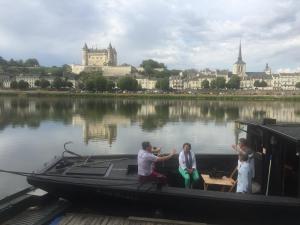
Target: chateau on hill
(104,60)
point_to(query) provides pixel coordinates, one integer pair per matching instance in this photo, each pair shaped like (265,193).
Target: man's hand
(173,152)
(234,147)
(190,171)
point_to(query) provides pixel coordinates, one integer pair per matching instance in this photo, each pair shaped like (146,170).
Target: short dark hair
(188,144)
(243,157)
(145,144)
(243,141)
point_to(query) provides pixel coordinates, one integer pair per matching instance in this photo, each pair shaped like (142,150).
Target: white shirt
(182,162)
(244,178)
(145,162)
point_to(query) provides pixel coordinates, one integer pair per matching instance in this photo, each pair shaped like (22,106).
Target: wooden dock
(91,219)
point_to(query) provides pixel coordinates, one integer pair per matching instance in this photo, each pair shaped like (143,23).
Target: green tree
(213,84)
(23,85)
(263,83)
(14,84)
(297,85)
(234,82)
(220,83)
(44,83)
(58,83)
(100,83)
(31,63)
(256,83)
(205,84)
(90,85)
(149,65)
(110,85)
(163,84)
(128,83)
(37,83)
(69,84)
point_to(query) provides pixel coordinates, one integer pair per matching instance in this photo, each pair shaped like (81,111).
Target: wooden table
(224,182)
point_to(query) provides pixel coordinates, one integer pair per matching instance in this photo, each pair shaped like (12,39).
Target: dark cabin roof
(290,131)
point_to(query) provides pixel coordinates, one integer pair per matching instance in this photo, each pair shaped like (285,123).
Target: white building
(146,83)
(30,79)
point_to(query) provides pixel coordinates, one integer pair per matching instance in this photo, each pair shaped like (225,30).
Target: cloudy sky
(182,34)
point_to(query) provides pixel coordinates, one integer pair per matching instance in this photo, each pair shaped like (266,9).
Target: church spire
(240,52)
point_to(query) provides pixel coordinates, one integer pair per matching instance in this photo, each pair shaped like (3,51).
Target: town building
(146,83)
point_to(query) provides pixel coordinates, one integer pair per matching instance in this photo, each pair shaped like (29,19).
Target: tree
(14,84)
(100,83)
(263,83)
(220,83)
(163,84)
(258,83)
(234,82)
(149,65)
(23,85)
(31,63)
(44,83)
(152,63)
(128,83)
(37,83)
(69,84)
(110,85)
(90,85)
(57,83)
(205,84)
(213,84)
(297,85)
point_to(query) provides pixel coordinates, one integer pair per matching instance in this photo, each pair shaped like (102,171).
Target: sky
(182,34)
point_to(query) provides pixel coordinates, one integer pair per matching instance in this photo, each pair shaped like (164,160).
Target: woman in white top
(187,165)
(244,179)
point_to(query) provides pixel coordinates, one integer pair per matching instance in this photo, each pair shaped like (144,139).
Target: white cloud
(181,34)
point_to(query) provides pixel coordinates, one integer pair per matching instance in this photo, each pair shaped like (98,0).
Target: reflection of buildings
(282,111)
(100,130)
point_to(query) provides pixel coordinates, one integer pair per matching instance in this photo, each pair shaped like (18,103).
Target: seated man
(146,162)
(244,177)
(187,165)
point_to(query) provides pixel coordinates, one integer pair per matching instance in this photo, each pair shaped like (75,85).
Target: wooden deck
(91,219)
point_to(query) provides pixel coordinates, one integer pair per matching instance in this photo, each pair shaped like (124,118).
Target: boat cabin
(277,147)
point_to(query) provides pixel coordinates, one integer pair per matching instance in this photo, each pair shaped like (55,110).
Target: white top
(244,178)
(145,162)
(182,163)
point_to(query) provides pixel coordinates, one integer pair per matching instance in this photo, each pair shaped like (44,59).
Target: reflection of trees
(128,108)
(152,122)
(150,114)
(232,112)
(259,114)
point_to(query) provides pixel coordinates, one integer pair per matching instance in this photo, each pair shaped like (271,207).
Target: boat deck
(93,219)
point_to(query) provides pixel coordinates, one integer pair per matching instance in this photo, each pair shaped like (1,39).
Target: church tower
(268,70)
(239,68)
(85,55)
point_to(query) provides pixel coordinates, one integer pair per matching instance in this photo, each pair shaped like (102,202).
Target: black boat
(114,177)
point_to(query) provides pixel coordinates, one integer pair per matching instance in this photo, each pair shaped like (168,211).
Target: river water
(33,130)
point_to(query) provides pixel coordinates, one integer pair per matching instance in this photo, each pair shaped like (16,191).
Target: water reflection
(100,118)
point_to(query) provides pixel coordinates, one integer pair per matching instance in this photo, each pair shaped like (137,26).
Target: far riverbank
(226,96)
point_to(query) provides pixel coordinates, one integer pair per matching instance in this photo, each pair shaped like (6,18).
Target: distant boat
(115,177)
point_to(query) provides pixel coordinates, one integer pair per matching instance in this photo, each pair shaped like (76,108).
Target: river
(33,130)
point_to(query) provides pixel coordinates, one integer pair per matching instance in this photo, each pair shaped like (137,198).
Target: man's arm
(164,158)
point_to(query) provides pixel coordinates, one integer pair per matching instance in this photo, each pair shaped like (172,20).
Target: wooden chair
(235,181)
